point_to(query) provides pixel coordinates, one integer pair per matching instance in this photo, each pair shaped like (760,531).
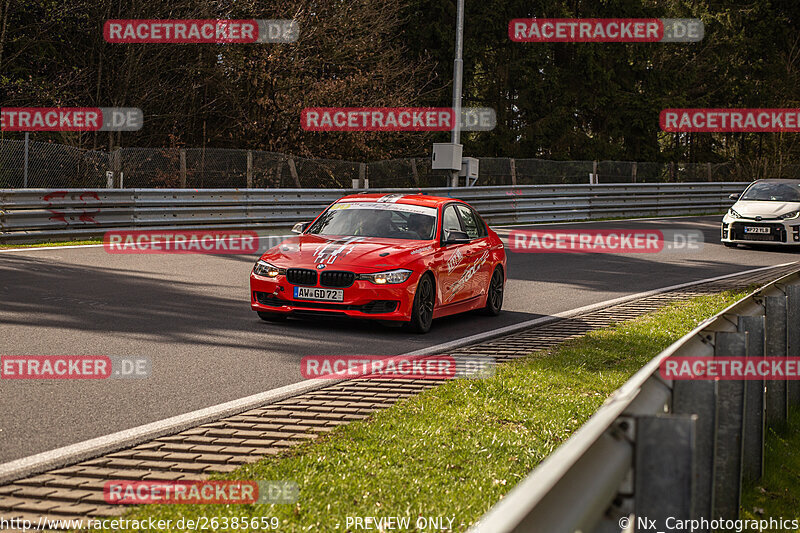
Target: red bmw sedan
(400,258)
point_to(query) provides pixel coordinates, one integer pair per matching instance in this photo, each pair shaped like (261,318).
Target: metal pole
(25,170)
(458,70)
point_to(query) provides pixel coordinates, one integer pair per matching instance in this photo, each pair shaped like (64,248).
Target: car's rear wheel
(271,317)
(494,294)
(730,244)
(422,310)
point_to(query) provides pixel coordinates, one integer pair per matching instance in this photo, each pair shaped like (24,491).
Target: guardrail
(661,448)
(48,214)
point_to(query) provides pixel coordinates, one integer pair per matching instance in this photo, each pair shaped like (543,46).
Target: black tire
(422,310)
(271,317)
(494,294)
(730,244)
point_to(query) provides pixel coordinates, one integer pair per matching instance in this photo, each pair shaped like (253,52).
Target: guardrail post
(25,165)
(183,168)
(793,338)
(249,169)
(775,346)
(513,163)
(362,175)
(414,173)
(708,170)
(664,468)
(116,162)
(699,397)
(730,421)
(753,431)
(634,171)
(293,172)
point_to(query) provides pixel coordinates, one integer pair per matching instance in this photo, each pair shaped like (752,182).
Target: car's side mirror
(300,227)
(455,237)
(734,196)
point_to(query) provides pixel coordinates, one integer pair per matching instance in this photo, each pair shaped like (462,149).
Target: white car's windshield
(374,219)
(773,192)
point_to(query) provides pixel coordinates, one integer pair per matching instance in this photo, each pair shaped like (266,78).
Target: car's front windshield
(376,219)
(773,192)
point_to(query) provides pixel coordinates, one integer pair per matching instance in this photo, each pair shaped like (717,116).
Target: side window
(450,221)
(482,232)
(471,223)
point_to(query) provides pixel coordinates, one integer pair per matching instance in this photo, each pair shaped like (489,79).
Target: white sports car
(767,212)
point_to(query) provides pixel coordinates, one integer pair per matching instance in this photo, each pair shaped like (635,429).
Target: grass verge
(50,244)
(777,494)
(455,450)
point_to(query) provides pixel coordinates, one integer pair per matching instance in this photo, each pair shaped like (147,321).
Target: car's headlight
(262,268)
(734,214)
(791,215)
(391,276)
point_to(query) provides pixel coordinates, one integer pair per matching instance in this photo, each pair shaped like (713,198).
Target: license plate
(326,295)
(756,229)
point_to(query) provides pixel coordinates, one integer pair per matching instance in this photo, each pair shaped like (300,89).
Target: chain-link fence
(46,165)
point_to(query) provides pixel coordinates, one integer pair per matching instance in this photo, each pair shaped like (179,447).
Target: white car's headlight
(733,213)
(262,268)
(790,215)
(390,276)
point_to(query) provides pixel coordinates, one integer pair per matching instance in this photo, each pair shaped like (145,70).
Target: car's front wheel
(494,294)
(422,310)
(271,317)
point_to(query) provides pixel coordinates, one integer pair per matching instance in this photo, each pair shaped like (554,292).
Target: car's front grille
(301,276)
(374,307)
(777,233)
(336,278)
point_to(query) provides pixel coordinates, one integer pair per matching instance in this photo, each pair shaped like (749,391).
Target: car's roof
(398,198)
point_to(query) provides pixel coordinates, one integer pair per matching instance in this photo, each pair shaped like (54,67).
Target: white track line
(88,449)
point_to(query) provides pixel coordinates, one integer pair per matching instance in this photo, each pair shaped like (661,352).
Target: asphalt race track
(190,315)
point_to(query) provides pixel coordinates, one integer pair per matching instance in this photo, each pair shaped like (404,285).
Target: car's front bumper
(362,299)
(781,232)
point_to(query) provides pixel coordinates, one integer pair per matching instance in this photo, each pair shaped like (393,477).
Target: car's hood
(751,208)
(363,254)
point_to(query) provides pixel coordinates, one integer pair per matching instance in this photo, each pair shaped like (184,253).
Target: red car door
(452,260)
(478,268)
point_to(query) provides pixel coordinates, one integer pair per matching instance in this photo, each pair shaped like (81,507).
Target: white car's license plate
(756,229)
(326,295)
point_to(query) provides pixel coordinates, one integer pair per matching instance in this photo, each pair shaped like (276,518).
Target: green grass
(455,450)
(777,494)
(50,244)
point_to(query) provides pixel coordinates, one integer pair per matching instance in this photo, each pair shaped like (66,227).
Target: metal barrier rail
(45,214)
(661,448)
